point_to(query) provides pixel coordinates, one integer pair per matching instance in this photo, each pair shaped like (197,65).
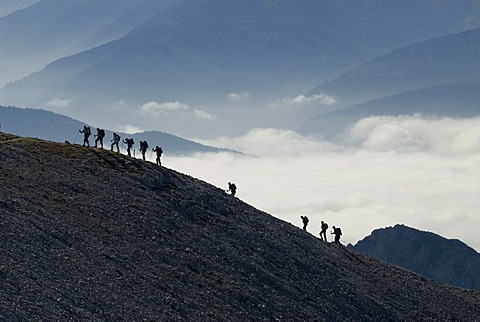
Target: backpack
(88,132)
(116,137)
(338,231)
(101,133)
(324,226)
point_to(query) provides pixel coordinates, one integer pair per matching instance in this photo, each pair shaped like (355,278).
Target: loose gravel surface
(92,235)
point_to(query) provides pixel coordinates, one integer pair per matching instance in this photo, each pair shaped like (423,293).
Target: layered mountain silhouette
(89,234)
(50,29)
(200,51)
(435,77)
(434,62)
(444,260)
(47,125)
(458,100)
(9,6)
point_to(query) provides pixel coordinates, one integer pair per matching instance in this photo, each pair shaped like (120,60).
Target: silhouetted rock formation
(88,234)
(444,260)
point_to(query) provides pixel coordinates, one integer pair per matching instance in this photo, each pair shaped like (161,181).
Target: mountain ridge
(46,125)
(91,234)
(459,100)
(433,62)
(445,260)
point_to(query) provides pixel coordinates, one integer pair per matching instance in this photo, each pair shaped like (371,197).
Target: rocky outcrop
(88,234)
(444,260)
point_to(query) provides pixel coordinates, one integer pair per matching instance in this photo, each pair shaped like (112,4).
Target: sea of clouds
(417,171)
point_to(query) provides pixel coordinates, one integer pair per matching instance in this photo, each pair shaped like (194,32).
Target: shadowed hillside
(438,258)
(88,234)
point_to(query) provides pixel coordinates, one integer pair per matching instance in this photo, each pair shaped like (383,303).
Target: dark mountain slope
(444,260)
(93,235)
(438,61)
(47,125)
(460,99)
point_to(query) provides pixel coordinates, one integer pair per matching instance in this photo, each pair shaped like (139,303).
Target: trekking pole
(76,138)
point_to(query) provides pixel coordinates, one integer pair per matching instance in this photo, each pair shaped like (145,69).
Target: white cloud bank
(162,108)
(303,100)
(129,129)
(58,103)
(157,109)
(238,97)
(424,173)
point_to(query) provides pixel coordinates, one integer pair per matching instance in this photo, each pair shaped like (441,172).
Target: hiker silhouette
(100,135)
(129,143)
(323,232)
(86,134)
(232,188)
(158,150)
(338,233)
(143,148)
(305,222)
(115,140)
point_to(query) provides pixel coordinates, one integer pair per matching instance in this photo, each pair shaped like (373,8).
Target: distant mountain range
(434,77)
(433,62)
(47,125)
(50,29)
(9,6)
(444,260)
(459,100)
(197,52)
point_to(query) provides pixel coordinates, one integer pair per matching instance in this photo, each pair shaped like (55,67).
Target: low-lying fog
(421,172)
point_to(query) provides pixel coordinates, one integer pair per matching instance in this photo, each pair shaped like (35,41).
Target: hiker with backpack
(158,150)
(338,233)
(323,232)
(86,134)
(129,143)
(115,140)
(143,148)
(232,188)
(100,135)
(305,222)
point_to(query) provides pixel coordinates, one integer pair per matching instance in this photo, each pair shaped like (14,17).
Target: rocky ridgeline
(88,234)
(444,260)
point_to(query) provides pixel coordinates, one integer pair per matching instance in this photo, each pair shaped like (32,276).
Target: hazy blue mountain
(50,29)
(9,6)
(460,99)
(59,128)
(127,22)
(438,61)
(444,260)
(199,51)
